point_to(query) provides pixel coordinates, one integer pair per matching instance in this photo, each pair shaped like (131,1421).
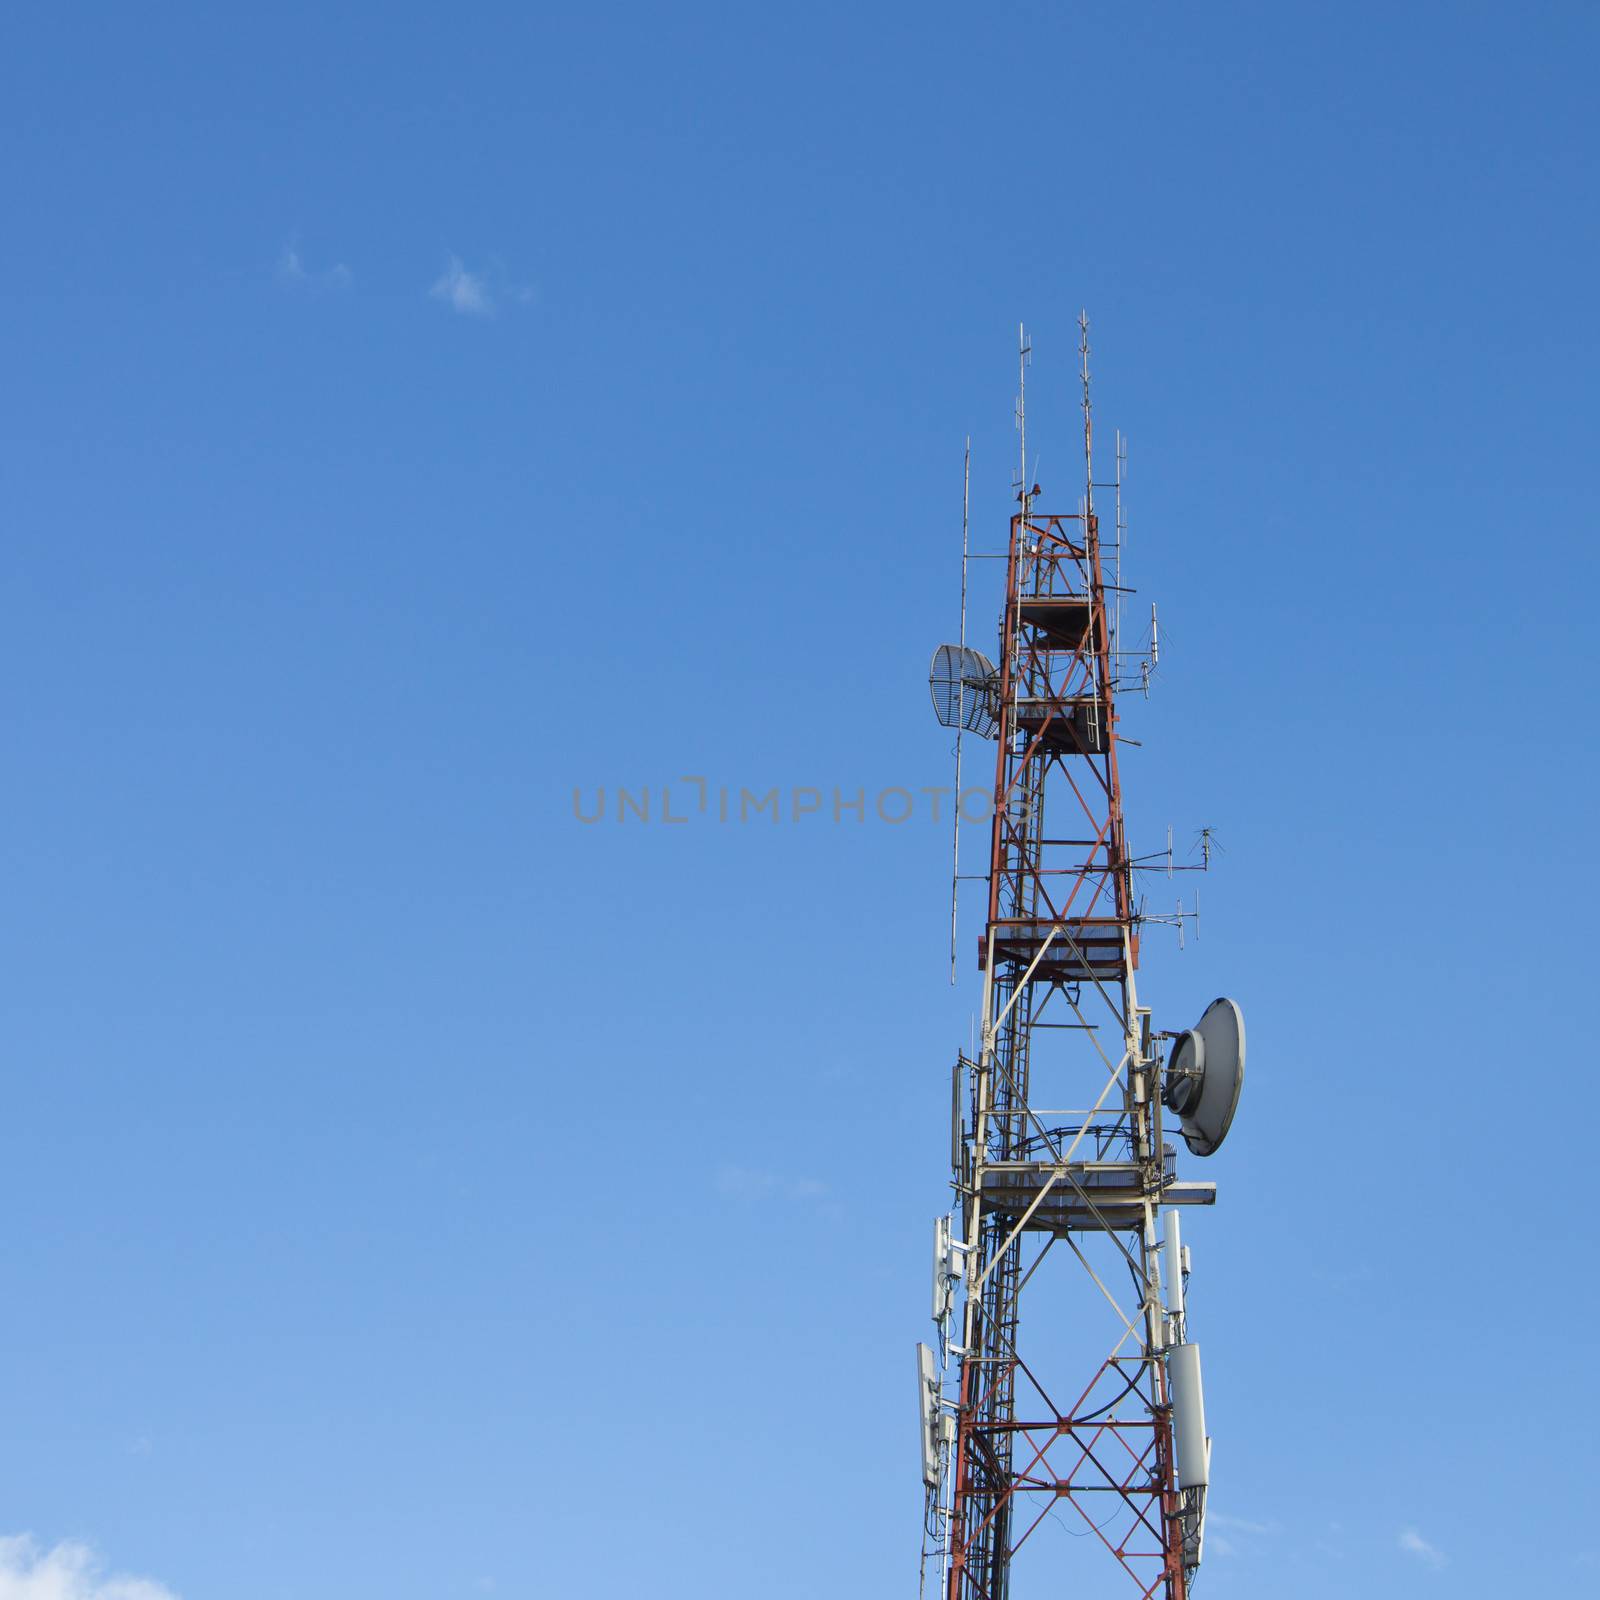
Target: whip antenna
(961,719)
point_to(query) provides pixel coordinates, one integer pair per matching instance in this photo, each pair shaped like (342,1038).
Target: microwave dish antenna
(965,689)
(1205,1072)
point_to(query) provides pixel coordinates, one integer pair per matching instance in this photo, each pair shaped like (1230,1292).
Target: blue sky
(412,416)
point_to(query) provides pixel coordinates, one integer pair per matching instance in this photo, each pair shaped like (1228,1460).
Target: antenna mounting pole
(955,820)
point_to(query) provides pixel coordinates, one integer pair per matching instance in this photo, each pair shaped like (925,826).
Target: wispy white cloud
(1218,1519)
(753,1183)
(1430,1555)
(292,270)
(480,292)
(1244,1533)
(463,291)
(69,1571)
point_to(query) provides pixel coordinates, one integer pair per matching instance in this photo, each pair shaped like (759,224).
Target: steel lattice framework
(1058,1145)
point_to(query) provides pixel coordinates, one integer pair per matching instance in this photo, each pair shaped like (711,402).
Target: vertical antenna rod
(1023,350)
(1122,535)
(1088,418)
(961,707)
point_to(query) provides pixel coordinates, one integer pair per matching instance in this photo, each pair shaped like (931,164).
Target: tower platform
(1061,619)
(1075,726)
(1089,1196)
(1084,948)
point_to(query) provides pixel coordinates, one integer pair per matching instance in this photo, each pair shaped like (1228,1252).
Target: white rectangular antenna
(928,1394)
(941,1270)
(1188,1416)
(1173,1265)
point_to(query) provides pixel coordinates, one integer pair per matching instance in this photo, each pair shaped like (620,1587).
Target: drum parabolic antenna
(1204,1075)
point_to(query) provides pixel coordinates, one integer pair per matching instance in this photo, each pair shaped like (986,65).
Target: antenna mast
(955,820)
(1088,417)
(1059,1139)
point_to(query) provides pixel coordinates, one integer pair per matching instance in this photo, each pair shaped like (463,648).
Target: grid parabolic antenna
(965,690)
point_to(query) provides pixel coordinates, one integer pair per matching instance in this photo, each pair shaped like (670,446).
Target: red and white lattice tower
(1078,1427)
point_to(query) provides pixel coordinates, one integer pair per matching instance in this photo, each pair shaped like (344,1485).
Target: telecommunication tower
(1085,1416)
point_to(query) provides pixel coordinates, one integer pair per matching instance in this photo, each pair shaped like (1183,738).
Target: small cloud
(466,292)
(1238,1524)
(1414,1544)
(480,293)
(293,271)
(751,1183)
(69,1571)
(1245,1532)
